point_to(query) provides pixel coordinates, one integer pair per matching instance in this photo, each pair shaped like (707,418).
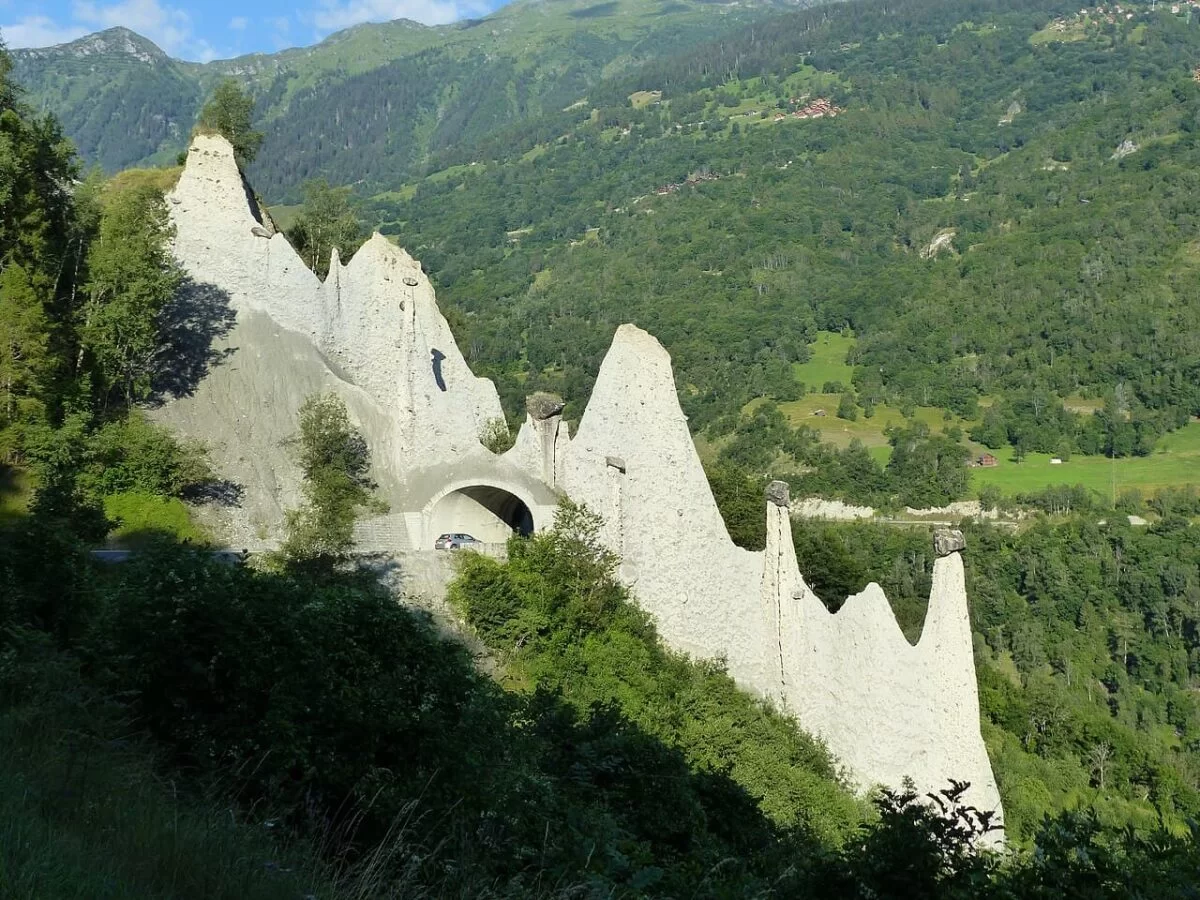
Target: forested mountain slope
(402,87)
(1000,208)
(1003,211)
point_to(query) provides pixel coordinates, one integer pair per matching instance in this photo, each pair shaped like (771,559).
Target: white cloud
(39,31)
(280,27)
(333,15)
(238,23)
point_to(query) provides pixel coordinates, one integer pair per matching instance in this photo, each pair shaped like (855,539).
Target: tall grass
(84,813)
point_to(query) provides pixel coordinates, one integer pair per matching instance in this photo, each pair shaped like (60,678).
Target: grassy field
(138,517)
(1062,31)
(638,99)
(828,361)
(840,432)
(1175,461)
(284,216)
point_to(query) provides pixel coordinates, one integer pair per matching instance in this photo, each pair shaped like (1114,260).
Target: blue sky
(215,29)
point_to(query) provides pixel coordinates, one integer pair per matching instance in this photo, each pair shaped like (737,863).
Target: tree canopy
(327,221)
(230,112)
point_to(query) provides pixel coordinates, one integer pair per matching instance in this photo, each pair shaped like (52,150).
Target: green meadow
(1175,461)
(828,361)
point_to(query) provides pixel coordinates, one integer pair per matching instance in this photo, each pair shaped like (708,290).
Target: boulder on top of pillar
(778,493)
(543,405)
(948,540)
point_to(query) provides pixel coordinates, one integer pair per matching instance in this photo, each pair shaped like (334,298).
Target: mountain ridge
(115,40)
(124,101)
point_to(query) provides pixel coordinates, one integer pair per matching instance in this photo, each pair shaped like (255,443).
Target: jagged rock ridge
(373,333)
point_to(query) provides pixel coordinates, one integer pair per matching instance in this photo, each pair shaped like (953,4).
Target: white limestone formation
(833,510)
(372,332)
(375,321)
(886,708)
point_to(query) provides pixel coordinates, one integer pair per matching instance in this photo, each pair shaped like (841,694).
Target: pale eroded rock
(372,333)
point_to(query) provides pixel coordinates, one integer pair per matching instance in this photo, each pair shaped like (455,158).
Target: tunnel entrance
(487,513)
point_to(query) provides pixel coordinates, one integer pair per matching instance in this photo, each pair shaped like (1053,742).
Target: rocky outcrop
(942,241)
(887,709)
(374,320)
(834,510)
(543,405)
(372,332)
(947,541)
(1126,148)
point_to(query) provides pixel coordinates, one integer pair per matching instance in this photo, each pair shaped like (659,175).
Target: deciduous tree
(336,463)
(327,220)
(132,276)
(230,113)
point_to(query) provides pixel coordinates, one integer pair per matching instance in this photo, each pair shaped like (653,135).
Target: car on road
(455,541)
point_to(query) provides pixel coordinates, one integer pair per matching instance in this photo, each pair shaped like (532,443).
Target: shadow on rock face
(436,357)
(218,492)
(199,315)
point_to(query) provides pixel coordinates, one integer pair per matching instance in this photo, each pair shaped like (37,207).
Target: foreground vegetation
(69,755)
(339,723)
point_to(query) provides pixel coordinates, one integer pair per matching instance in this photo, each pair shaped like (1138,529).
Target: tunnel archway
(487,512)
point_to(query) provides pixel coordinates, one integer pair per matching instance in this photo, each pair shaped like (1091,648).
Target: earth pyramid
(372,333)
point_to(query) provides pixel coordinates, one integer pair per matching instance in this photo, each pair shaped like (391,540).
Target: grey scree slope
(372,332)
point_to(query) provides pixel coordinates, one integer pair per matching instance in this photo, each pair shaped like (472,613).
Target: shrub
(139,518)
(847,409)
(497,436)
(132,455)
(311,693)
(336,464)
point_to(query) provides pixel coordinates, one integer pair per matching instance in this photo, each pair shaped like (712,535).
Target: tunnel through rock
(488,513)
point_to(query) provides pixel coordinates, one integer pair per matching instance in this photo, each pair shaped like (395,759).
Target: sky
(202,30)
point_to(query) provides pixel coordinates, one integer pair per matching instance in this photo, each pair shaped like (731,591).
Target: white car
(455,541)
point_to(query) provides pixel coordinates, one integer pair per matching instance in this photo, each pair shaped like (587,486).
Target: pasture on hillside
(1175,461)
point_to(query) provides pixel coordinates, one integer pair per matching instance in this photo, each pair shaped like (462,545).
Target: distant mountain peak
(110,42)
(349,33)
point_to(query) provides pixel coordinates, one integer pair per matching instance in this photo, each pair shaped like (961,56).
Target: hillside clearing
(1175,462)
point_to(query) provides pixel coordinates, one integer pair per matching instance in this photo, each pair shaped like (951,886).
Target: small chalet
(986,461)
